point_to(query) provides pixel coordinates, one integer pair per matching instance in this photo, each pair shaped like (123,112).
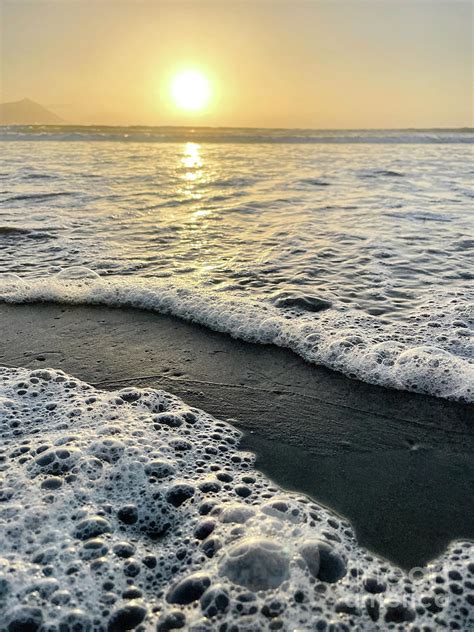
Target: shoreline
(398,465)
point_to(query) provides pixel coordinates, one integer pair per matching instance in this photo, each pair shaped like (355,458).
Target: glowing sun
(190,90)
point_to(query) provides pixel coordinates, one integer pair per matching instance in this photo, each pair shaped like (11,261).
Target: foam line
(430,353)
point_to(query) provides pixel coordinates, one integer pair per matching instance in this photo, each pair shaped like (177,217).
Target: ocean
(131,509)
(352,248)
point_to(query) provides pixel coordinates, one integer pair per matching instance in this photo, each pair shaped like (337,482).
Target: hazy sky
(314,63)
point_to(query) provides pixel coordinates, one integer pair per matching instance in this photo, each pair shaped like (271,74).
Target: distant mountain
(27,112)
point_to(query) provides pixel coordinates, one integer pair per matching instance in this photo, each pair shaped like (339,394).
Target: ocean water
(354,249)
(129,508)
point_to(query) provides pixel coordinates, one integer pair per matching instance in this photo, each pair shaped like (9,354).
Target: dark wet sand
(399,466)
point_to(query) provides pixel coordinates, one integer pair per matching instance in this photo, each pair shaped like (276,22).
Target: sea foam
(429,353)
(129,509)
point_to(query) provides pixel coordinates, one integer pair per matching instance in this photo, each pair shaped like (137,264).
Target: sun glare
(190,90)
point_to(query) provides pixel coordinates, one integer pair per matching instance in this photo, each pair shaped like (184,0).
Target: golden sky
(313,63)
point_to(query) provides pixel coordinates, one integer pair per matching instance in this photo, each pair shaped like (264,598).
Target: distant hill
(27,112)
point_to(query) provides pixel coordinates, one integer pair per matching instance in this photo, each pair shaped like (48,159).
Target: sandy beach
(398,465)
(236,360)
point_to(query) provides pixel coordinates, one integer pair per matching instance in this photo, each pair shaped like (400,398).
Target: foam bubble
(77,273)
(110,520)
(12,286)
(256,563)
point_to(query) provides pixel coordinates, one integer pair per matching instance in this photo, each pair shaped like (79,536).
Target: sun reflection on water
(193,164)
(194,178)
(192,157)
(192,161)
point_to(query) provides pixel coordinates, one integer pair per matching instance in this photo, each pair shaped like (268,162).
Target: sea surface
(352,248)
(130,508)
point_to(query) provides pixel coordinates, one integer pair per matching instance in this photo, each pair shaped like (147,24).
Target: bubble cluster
(130,510)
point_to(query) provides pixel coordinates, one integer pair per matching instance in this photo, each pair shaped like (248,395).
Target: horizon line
(236,127)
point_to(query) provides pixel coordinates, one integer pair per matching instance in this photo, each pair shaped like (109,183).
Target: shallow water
(351,253)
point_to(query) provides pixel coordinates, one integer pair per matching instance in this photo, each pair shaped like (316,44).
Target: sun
(190,90)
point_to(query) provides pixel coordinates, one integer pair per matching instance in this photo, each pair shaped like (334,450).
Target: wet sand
(398,465)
